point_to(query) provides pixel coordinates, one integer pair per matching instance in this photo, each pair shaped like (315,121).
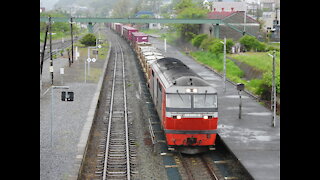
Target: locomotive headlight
(188,90)
(178,117)
(195,90)
(205,117)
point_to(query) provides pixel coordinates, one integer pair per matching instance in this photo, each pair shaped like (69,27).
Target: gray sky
(48,4)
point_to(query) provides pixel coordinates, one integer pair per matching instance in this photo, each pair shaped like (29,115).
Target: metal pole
(224,64)
(42,56)
(240,105)
(245,21)
(165,44)
(274,90)
(51,122)
(71,40)
(89,61)
(51,60)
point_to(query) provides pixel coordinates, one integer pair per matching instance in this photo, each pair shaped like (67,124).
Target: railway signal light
(69,96)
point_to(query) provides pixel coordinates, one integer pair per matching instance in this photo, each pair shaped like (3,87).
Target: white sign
(61,70)
(89,60)
(51,68)
(99,46)
(93,59)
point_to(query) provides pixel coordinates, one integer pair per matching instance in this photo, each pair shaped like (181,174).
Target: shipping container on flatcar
(127,32)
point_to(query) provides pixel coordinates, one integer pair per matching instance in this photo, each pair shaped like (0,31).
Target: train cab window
(178,101)
(205,101)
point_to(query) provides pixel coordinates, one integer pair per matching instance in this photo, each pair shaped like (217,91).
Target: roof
(144,13)
(179,74)
(139,34)
(220,14)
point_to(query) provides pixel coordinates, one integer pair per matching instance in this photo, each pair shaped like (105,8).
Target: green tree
(88,40)
(249,42)
(186,9)
(197,40)
(217,47)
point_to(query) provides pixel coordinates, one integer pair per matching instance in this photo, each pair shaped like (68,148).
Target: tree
(197,40)
(249,42)
(216,46)
(88,40)
(186,9)
(121,9)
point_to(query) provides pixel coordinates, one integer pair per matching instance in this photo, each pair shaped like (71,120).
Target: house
(235,24)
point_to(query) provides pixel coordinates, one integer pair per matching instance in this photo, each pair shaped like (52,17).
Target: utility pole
(245,20)
(51,60)
(42,56)
(273,93)
(71,40)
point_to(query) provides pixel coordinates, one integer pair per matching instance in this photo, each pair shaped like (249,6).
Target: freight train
(186,104)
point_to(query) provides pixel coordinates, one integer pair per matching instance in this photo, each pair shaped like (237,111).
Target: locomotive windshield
(178,101)
(194,101)
(205,101)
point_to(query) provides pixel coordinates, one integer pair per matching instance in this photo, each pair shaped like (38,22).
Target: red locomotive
(185,102)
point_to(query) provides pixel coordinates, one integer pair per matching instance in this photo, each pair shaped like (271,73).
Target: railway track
(193,167)
(117,148)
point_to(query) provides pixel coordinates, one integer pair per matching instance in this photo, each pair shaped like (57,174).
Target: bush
(206,43)
(217,47)
(249,42)
(261,47)
(88,40)
(197,40)
(272,48)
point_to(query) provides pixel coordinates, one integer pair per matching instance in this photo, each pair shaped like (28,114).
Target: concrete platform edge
(83,141)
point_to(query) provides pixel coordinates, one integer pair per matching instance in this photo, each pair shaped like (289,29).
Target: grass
(234,73)
(259,60)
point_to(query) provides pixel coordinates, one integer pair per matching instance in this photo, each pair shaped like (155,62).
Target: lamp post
(273,93)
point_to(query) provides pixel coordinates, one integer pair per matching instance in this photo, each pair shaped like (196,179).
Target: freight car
(185,102)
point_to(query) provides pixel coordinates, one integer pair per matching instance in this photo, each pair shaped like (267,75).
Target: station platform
(62,151)
(252,139)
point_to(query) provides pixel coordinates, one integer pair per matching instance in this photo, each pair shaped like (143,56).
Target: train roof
(139,34)
(177,73)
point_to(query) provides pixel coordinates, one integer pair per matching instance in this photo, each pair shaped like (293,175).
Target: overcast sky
(48,4)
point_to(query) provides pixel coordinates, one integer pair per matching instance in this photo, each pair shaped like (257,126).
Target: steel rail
(125,114)
(210,170)
(104,175)
(109,139)
(186,167)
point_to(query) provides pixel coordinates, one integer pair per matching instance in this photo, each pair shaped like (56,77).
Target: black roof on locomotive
(179,74)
